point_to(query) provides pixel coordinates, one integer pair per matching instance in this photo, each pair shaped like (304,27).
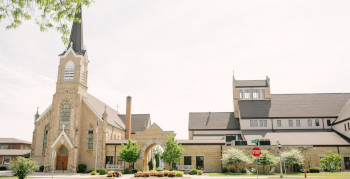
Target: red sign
(256,151)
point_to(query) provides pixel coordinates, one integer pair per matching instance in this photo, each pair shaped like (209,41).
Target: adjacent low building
(11,148)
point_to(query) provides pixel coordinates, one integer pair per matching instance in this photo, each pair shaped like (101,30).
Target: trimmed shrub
(93,173)
(302,170)
(127,171)
(193,171)
(41,169)
(224,170)
(232,170)
(244,170)
(160,175)
(134,171)
(171,174)
(159,169)
(314,170)
(171,169)
(179,174)
(3,168)
(103,171)
(146,174)
(166,172)
(81,168)
(199,172)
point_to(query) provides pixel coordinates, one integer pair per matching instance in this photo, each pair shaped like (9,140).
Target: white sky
(176,57)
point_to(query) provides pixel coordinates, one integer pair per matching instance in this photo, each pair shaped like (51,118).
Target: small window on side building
(265,123)
(329,122)
(317,122)
(251,123)
(200,162)
(298,123)
(261,122)
(309,123)
(279,123)
(290,123)
(255,123)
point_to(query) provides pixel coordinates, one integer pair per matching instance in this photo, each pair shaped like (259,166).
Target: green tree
(266,159)
(331,162)
(150,165)
(234,157)
(23,167)
(130,153)
(293,157)
(48,14)
(173,151)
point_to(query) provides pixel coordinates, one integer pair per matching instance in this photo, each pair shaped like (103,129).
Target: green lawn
(320,175)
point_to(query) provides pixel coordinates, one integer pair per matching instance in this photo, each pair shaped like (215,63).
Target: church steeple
(76,35)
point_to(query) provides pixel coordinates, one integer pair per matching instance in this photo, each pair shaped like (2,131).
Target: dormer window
(69,71)
(252,93)
(256,93)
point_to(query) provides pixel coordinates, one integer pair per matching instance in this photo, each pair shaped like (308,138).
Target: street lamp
(279,149)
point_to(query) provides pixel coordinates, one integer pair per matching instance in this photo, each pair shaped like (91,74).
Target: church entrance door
(62,159)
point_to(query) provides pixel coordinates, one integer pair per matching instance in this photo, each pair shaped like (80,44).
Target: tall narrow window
(345,127)
(200,162)
(251,123)
(187,160)
(298,123)
(46,133)
(309,123)
(290,123)
(90,138)
(255,123)
(82,76)
(247,93)
(265,123)
(65,115)
(256,93)
(279,123)
(69,71)
(241,94)
(261,123)
(317,122)
(328,122)
(262,93)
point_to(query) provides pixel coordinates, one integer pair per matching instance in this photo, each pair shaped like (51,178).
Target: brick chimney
(128,118)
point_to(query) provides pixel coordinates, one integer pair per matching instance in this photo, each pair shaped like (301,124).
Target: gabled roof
(345,113)
(295,105)
(98,106)
(251,83)
(213,120)
(138,121)
(13,141)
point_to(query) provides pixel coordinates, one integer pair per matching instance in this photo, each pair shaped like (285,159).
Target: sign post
(53,161)
(256,152)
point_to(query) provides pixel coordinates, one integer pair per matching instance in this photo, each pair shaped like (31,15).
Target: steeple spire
(76,35)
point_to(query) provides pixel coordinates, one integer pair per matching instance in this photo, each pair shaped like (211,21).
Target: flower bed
(160,174)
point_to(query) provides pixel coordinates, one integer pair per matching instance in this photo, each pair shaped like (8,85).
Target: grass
(320,175)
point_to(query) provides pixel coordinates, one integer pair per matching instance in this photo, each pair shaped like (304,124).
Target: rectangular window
(298,123)
(265,123)
(279,123)
(348,126)
(199,162)
(4,146)
(6,160)
(261,122)
(345,127)
(290,123)
(347,163)
(251,123)
(255,123)
(187,160)
(262,93)
(328,122)
(109,160)
(256,93)
(230,138)
(317,122)
(241,94)
(247,93)
(309,123)
(265,142)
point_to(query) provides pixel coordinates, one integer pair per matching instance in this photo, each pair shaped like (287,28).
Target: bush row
(166,173)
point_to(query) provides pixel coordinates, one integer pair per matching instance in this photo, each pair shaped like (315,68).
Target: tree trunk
(236,167)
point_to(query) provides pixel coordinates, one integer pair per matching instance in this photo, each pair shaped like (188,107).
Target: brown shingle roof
(251,83)
(296,137)
(213,120)
(13,141)
(138,121)
(14,152)
(345,113)
(295,105)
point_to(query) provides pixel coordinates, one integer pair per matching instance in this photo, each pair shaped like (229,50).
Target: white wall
(245,124)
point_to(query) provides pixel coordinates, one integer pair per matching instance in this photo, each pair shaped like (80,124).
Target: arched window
(90,138)
(82,76)
(62,151)
(69,71)
(65,115)
(46,133)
